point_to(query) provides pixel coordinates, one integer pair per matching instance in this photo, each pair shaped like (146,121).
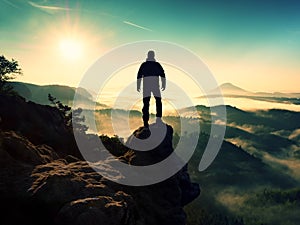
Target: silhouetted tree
(66,112)
(8,71)
(77,120)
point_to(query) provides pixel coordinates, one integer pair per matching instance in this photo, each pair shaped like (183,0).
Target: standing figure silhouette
(149,72)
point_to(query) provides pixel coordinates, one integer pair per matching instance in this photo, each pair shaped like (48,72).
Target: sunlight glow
(71,49)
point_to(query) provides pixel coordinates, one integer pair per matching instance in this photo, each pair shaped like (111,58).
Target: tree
(77,121)
(65,110)
(8,71)
(72,121)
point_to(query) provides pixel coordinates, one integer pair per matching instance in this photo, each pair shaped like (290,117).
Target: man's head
(151,55)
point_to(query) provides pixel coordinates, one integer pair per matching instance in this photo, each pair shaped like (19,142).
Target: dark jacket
(150,68)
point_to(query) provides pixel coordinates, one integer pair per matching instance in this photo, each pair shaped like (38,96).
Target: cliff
(44,181)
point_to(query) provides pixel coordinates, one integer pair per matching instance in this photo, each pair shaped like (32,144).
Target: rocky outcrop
(39,185)
(40,124)
(162,203)
(34,190)
(76,194)
(20,149)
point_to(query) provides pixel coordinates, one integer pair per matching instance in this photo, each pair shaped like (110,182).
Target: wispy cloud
(135,25)
(11,4)
(48,9)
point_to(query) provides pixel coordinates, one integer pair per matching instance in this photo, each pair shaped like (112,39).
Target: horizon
(107,99)
(248,44)
(230,83)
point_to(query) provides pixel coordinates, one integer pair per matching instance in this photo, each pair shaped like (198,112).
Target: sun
(71,49)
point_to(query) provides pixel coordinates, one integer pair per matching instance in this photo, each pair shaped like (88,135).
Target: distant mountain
(231,90)
(39,93)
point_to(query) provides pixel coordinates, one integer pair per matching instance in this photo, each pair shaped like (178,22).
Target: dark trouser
(145,109)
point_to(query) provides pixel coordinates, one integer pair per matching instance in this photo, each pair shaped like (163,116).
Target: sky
(252,44)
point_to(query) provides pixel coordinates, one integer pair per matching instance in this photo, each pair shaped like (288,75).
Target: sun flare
(71,49)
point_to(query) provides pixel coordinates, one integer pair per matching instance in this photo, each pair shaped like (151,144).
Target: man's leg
(145,111)
(157,95)
(158,107)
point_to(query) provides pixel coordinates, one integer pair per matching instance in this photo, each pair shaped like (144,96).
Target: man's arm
(163,77)
(138,85)
(163,83)
(139,78)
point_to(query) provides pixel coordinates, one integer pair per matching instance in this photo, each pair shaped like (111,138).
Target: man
(150,71)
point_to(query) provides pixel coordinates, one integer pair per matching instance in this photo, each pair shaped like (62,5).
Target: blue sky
(253,44)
